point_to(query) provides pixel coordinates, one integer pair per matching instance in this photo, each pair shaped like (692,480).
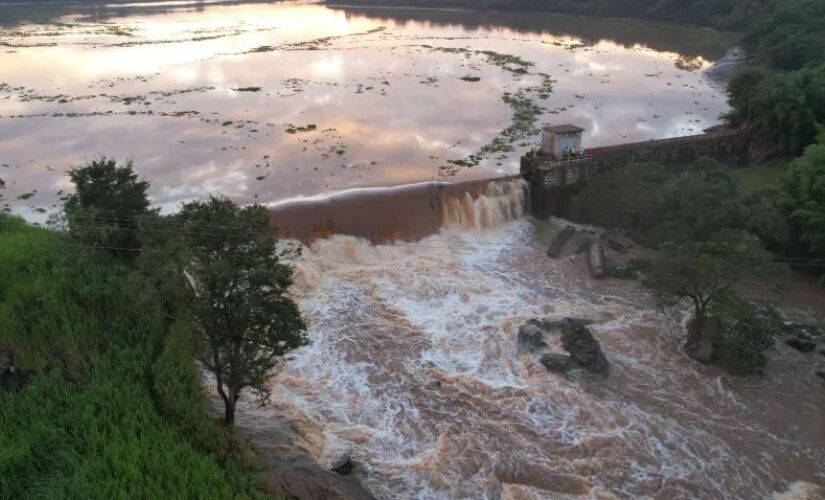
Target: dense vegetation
(709,235)
(100,391)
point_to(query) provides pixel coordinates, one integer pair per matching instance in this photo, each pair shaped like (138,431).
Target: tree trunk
(701,334)
(229,410)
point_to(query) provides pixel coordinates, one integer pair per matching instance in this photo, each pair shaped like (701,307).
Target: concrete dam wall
(553,181)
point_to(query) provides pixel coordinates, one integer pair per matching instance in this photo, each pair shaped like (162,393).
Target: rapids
(413,366)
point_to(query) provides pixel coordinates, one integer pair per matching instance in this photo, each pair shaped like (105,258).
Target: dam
(561,167)
(549,177)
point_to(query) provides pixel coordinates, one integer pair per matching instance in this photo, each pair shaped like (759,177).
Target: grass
(113,406)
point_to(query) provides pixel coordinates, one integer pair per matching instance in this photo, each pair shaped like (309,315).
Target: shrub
(746,334)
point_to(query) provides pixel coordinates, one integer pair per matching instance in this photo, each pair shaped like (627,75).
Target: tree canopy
(244,316)
(802,197)
(105,209)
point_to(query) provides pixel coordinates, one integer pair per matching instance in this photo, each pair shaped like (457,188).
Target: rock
(337,455)
(304,480)
(700,337)
(553,323)
(530,338)
(821,374)
(344,465)
(598,264)
(560,240)
(557,362)
(801,345)
(583,348)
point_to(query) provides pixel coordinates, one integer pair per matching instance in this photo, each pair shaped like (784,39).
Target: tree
(747,332)
(703,271)
(627,198)
(705,199)
(105,209)
(242,312)
(802,197)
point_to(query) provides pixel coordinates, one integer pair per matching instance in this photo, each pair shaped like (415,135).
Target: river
(413,365)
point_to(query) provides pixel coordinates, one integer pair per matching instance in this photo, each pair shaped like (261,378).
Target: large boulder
(530,338)
(557,362)
(583,348)
(555,323)
(701,334)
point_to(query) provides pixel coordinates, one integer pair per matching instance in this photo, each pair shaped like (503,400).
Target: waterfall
(409,212)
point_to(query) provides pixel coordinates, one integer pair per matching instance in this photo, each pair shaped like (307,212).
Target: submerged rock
(539,476)
(557,362)
(530,338)
(583,348)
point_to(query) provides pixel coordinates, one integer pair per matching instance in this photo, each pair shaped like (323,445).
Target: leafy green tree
(703,271)
(781,113)
(242,311)
(802,197)
(706,199)
(626,198)
(740,90)
(747,331)
(105,209)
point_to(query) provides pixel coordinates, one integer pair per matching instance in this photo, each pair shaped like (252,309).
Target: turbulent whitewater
(413,366)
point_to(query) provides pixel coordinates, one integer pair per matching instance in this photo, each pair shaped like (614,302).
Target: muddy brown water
(413,365)
(414,368)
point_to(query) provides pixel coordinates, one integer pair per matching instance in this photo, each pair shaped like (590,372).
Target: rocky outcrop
(305,480)
(555,323)
(701,334)
(584,350)
(557,362)
(530,338)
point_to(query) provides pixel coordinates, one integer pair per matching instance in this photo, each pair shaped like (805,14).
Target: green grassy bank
(112,405)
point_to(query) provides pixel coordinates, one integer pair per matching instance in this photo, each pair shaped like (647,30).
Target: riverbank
(106,397)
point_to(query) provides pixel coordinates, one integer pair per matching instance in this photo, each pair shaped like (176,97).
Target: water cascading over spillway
(414,368)
(404,213)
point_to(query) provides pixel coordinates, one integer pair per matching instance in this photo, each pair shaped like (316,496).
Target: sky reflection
(220,99)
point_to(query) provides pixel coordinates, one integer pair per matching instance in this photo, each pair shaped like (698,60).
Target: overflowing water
(413,365)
